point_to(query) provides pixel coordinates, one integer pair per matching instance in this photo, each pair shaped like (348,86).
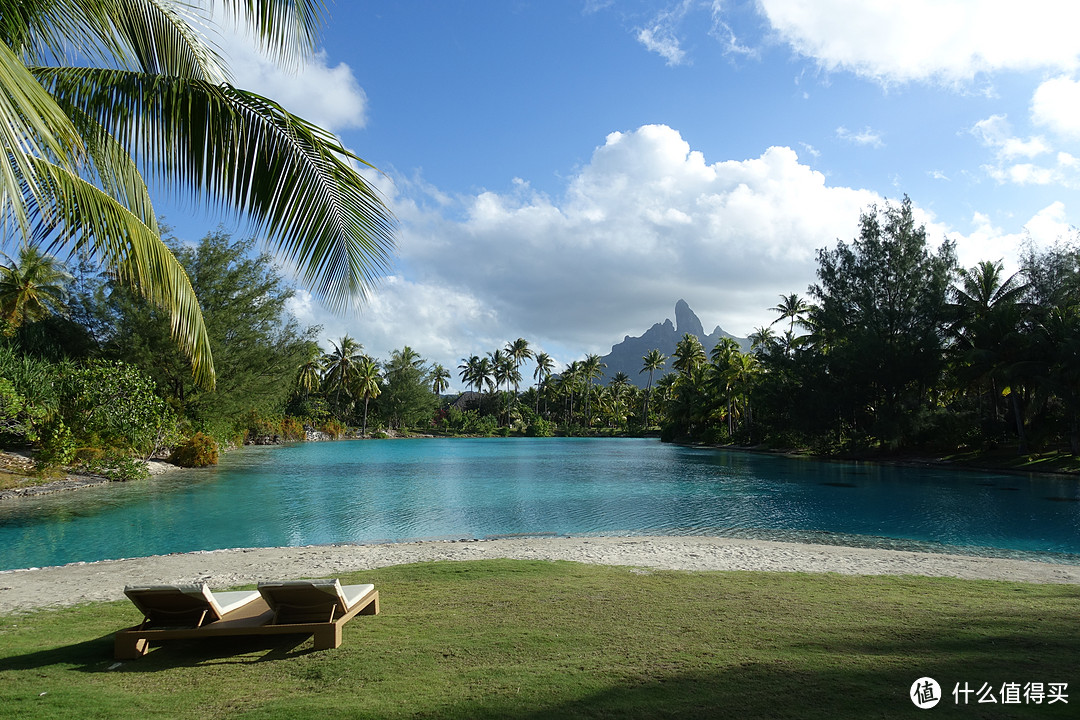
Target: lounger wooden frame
(255,618)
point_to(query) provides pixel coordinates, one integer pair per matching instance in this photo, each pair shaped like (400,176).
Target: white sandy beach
(90,582)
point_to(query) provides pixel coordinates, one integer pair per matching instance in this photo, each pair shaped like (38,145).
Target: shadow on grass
(826,681)
(758,691)
(97,655)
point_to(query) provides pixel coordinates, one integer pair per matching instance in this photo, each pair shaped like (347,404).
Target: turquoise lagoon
(453,489)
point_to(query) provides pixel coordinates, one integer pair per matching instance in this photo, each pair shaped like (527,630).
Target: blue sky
(565,170)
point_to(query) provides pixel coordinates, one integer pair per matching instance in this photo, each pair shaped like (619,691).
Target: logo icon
(925,693)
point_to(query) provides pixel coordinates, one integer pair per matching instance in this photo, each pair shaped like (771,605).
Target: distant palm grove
(894,347)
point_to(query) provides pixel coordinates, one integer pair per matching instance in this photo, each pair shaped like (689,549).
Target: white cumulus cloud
(1056,105)
(1015,157)
(946,40)
(646,221)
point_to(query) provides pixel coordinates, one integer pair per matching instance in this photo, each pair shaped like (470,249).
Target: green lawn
(518,639)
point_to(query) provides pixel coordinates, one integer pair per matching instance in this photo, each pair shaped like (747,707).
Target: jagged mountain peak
(626,356)
(686,321)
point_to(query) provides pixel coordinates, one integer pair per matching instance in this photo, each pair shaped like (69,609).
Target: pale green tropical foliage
(95,95)
(368,385)
(114,404)
(440,379)
(339,367)
(33,286)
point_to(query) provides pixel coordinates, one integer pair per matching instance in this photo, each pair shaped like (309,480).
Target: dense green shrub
(17,417)
(197,451)
(486,425)
(284,429)
(115,403)
(539,427)
(30,397)
(57,445)
(114,464)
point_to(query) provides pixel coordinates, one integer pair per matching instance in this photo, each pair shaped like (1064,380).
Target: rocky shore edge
(14,463)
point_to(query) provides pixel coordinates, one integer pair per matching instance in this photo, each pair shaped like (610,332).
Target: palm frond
(109,166)
(31,125)
(287,29)
(244,153)
(159,36)
(80,216)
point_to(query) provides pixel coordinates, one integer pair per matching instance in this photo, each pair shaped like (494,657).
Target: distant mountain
(626,356)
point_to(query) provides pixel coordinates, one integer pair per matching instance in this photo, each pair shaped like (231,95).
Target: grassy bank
(518,639)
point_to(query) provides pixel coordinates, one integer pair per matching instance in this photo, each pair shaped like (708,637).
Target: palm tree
(544,366)
(341,364)
(467,371)
(440,378)
(146,94)
(689,354)
(988,314)
(476,372)
(519,351)
(746,369)
(367,383)
(762,338)
(33,286)
(721,376)
(615,396)
(504,371)
(793,308)
(591,369)
(652,361)
(568,382)
(310,373)
(732,375)
(406,357)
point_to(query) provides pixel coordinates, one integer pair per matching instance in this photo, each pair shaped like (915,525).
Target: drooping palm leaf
(286,28)
(79,215)
(244,153)
(149,35)
(109,166)
(31,125)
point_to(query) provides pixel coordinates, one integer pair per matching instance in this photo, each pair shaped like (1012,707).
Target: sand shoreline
(78,583)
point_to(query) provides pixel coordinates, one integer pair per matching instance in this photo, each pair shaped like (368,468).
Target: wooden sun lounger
(314,612)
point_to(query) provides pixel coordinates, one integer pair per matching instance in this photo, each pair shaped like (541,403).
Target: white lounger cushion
(234,599)
(353,593)
(345,595)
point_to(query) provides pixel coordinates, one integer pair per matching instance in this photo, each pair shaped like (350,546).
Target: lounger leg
(129,646)
(372,608)
(328,637)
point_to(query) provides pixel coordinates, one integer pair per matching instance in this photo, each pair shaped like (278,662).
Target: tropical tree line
(347,388)
(898,347)
(895,346)
(95,97)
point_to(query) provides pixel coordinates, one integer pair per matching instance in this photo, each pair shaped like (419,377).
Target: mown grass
(518,639)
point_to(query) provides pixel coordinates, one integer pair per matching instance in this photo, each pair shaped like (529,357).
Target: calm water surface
(372,491)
